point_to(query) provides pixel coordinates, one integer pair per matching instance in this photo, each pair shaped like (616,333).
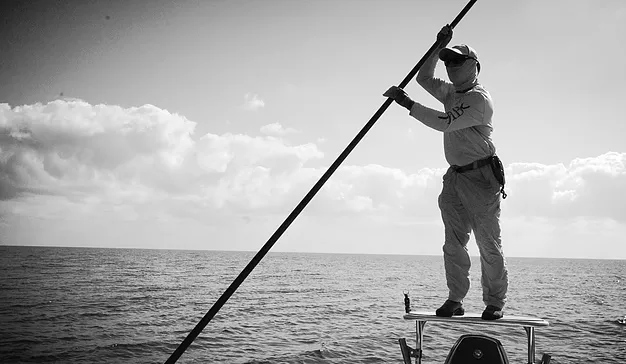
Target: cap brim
(447,54)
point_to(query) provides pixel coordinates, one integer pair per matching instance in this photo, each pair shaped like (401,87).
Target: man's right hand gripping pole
(444,36)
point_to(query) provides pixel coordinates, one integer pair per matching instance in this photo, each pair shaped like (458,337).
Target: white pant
(470,201)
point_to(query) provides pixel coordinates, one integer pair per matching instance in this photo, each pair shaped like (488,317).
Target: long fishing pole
(305,201)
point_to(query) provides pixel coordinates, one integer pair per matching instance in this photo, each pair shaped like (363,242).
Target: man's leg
(480,193)
(494,277)
(457,232)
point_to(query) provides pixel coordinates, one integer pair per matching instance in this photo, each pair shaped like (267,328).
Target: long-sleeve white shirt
(467,121)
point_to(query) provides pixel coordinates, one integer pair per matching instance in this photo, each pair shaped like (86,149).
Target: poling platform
(529,323)
(474,318)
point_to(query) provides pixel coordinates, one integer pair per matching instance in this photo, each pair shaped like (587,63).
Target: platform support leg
(419,339)
(530,333)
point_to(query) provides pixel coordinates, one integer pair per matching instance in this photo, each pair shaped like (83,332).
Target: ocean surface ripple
(86,305)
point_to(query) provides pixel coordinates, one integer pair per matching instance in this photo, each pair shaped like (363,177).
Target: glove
(444,36)
(399,96)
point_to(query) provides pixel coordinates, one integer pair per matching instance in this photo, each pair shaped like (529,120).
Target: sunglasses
(458,61)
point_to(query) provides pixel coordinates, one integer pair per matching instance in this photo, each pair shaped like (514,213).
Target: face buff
(464,76)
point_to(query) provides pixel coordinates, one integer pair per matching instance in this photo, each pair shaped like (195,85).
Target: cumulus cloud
(591,187)
(382,190)
(253,102)
(276,129)
(72,145)
(145,154)
(70,158)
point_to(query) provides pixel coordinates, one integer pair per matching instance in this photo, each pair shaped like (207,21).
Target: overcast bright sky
(202,124)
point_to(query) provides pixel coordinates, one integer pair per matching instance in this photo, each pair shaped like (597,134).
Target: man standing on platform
(470,198)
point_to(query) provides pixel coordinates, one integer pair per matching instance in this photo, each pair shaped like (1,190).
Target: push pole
(305,201)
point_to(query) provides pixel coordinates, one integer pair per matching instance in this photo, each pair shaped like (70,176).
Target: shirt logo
(454,114)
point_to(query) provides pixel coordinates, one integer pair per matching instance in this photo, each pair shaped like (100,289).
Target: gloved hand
(444,36)
(399,96)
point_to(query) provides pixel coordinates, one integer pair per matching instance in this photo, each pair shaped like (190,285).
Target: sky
(202,124)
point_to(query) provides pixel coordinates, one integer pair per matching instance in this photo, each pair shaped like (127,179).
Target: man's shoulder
(479,92)
(478,96)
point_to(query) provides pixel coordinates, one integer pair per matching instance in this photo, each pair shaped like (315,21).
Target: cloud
(71,161)
(376,189)
(140,155)
(276,129)
(72,145)
(586,187)
(135,155)
(253,102)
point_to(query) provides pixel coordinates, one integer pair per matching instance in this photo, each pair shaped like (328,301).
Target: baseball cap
(447,53)
(459,51)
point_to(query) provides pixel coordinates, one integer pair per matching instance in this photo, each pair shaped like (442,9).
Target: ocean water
(81,305)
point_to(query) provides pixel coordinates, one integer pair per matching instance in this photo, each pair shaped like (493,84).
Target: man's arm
(438,88)
(430,117)
(469,113)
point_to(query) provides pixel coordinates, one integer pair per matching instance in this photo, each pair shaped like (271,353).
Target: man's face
(461,69)
(456,61)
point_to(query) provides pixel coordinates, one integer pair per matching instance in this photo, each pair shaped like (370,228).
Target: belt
(474,165)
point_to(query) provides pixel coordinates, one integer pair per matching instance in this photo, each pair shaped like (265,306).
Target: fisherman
(470,198)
